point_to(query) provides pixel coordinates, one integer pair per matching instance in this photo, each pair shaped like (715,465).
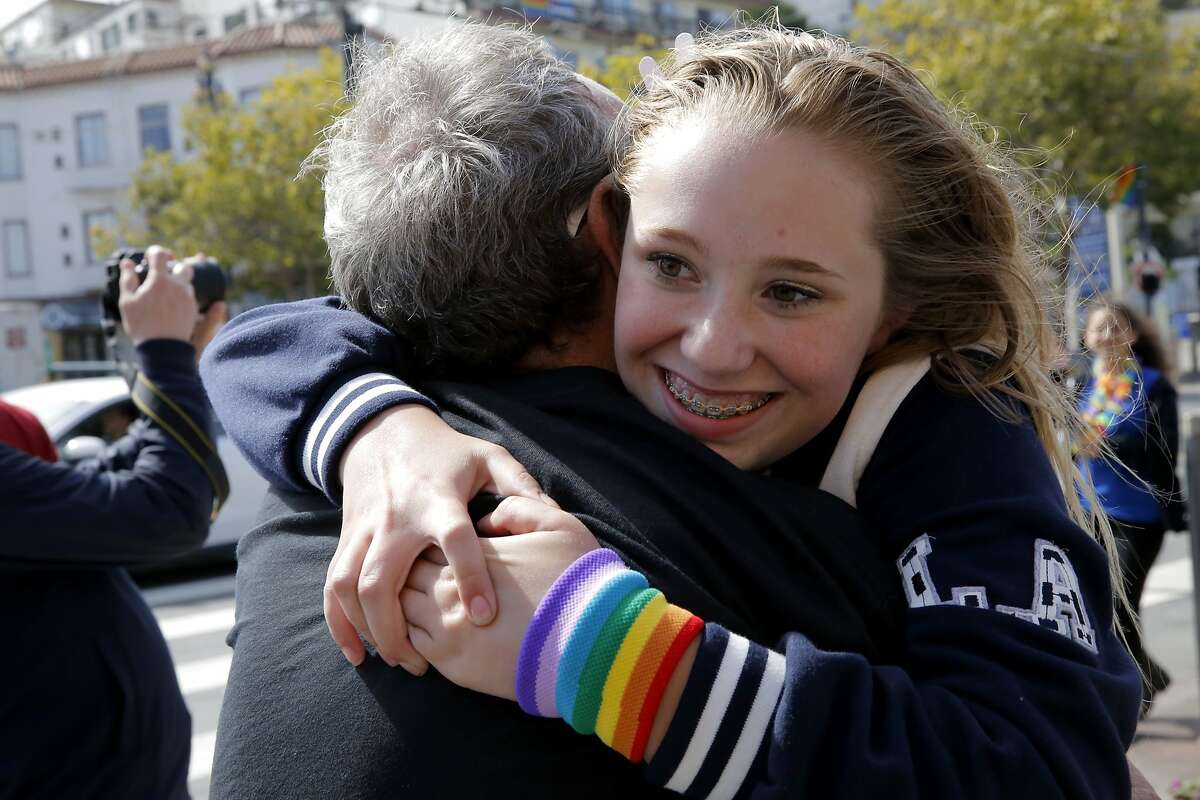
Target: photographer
(89,704)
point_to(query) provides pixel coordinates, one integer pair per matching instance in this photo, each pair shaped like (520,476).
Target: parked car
(85,414)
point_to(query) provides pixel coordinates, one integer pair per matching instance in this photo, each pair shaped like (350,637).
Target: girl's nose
(718,342)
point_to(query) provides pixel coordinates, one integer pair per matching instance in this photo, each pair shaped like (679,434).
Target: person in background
(21,429)
(91,706)
(1131,409)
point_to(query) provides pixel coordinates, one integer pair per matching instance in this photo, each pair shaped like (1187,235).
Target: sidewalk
(1167,746)
(1168,741)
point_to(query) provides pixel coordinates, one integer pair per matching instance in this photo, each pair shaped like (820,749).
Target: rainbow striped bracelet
(600,650)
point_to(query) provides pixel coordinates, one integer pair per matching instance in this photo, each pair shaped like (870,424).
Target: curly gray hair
(448,183)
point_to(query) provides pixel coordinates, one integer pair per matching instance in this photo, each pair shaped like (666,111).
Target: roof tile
(294,35)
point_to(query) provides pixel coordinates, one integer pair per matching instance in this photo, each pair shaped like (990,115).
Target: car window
(109,422)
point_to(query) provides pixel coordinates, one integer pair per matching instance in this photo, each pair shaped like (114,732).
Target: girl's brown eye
(786,294)
(667,267)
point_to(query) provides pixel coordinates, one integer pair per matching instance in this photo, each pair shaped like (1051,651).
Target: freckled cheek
(818,362)
(643,320)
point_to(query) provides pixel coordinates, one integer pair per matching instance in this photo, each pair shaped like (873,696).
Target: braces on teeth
(712,410)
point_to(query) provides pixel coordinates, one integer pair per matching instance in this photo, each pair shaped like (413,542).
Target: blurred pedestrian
(89,704)
(1131,409)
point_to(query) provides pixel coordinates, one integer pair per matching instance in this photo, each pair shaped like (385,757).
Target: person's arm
(1012,683)
(145,500)
(294,384)
(147,497)
(1163,456)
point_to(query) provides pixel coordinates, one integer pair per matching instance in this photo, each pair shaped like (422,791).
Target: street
(195,615)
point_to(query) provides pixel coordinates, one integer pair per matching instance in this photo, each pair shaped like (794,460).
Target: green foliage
(1083,86)
(619,71)
(789,15)
(238,198)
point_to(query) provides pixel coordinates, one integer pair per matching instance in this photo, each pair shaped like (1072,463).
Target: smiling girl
(814,248)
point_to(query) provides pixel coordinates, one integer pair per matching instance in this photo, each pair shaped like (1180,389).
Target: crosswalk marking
(203,747)
(204,674)
(220,619)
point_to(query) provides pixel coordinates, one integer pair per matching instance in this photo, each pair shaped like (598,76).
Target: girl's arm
(292,383)
(1012,683)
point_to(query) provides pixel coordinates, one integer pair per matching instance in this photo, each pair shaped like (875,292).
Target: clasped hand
(407,479)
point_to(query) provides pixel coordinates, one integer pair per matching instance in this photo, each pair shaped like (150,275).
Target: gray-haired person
(466,211)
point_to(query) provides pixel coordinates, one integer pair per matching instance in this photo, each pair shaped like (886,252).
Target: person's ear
(890,322)
(606,223)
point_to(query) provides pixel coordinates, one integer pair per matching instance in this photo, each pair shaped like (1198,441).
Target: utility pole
(351,29)
(205,79)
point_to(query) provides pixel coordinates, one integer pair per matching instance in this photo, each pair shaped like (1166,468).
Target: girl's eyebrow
(682,237)
(802,265)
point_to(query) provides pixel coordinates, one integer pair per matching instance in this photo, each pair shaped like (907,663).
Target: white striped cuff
(723,717)
(346,410)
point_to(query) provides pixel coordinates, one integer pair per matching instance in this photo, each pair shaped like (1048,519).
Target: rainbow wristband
(601,647)
(579,645)
(560,609)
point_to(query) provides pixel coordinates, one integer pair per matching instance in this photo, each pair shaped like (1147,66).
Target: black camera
(208,281)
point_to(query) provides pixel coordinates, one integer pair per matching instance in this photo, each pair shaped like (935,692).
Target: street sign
(1088,267)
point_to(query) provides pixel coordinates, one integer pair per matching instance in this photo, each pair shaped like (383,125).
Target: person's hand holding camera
(164,306)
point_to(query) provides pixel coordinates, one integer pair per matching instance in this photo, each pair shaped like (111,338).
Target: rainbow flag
(535,8)
(1122,188)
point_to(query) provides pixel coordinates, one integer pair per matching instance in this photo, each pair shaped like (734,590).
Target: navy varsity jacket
(1012,682)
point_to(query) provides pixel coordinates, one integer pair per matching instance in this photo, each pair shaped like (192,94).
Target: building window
(17,263)
(110,37)
(248,95)
(131,22)
(151,19)
(235,21)
(155,127)
(67,260)
(92,133)
(65,232)
(10,153)
(93,221)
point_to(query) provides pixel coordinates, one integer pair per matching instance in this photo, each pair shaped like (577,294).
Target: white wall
(50,199)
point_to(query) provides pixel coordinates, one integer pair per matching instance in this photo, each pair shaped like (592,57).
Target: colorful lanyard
(1111,397)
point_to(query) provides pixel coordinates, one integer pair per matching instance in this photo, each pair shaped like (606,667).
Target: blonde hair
(958,230)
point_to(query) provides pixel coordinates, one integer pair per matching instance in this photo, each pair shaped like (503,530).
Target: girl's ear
(605,223)
(891,322)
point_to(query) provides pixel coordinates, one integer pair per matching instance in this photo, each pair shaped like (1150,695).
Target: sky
(11,9)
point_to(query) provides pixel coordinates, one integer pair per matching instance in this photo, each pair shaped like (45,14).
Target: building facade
(87,88)
(71,135)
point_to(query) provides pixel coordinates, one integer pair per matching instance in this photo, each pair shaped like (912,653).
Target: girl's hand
(407,477)
(523,568)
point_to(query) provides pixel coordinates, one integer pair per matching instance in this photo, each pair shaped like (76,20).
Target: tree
(1084,86)
(789,15)
(238,198)
(619,71)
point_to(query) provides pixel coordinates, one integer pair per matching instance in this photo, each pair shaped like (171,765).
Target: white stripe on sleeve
(733,660)
(761,713)
(314,439)
(347,414)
